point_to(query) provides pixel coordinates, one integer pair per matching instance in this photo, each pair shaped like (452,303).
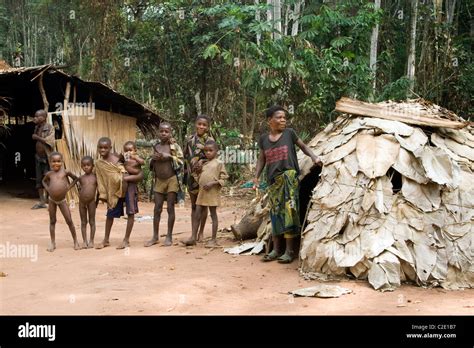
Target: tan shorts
(165,186)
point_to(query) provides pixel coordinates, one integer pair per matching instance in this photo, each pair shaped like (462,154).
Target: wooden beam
(388,112)
(45,99)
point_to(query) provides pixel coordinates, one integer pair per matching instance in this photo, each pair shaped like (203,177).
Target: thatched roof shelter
(82,111)
(394,200)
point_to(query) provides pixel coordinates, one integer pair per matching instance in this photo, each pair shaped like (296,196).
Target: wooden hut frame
(114,115)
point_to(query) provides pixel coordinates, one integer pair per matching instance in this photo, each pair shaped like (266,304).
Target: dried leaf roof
(359,223)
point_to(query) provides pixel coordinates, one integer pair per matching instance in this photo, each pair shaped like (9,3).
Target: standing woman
(194,159)
(278,154)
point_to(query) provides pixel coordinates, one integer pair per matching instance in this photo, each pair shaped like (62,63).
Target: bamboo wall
(81,133)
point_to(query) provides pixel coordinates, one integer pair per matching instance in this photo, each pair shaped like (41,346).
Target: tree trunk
(373,50)
(270,13)
(412,50)
(197,98)
(277,18)
(296,15)
(244,115)
(257,19)
(287,14)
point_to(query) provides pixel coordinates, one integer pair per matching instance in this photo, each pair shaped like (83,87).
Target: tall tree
(412,49)
(373,49)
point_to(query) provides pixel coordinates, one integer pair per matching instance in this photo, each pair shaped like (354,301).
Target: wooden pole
(45,99)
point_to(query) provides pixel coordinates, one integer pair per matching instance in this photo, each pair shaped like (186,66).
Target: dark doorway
(17,161)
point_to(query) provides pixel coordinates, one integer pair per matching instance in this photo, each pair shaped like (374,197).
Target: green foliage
(184,57)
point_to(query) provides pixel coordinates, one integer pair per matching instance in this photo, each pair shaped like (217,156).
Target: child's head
(165,131)
(276,117)
(129,146)
(104,145)
(40,116)
(55,161)
(87,164)
(202,124)
(210,149)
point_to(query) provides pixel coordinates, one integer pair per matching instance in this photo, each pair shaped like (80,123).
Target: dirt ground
(175,280)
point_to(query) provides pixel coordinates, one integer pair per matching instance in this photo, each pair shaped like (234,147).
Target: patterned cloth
(193,154)
(284,204)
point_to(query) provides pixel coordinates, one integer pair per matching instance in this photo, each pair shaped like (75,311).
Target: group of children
(116,178)
(113,179)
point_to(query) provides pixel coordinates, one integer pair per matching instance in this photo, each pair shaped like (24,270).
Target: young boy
(278,154)
(211,179)
(112,188)
(195,157)
(44,137)
(167,161)
(57,185)
(87,197)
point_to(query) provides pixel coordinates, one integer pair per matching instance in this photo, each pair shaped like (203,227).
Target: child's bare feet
(125,244)
(102,245)
(84,245)
(51,247)
(151,242)
(200,237)
(90,245)
(168,241)
(212,244)
(77,246)
(189,242)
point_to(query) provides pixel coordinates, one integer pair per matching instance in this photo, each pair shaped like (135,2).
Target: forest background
(232,59)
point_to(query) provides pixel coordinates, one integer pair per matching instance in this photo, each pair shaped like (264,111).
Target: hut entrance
(17,158)
(307,185)
(17,155)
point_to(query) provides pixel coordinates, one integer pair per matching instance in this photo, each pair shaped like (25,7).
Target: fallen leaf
(322,290)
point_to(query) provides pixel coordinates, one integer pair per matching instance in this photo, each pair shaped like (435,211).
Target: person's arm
(308,152)
(45,182)
(74,178)
(259,168)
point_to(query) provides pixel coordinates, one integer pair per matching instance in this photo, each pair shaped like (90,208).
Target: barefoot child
(133,165)
(56,183)
(278,154)
(195,157)
(211,179)
(87,200)
(112,187)
(166,162)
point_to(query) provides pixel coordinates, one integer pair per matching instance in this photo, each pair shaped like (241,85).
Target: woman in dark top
(278,154)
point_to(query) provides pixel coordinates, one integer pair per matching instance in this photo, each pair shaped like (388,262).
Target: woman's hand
(317,161)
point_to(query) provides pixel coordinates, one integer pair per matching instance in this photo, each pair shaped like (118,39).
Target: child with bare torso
(57,185)
(87,200)
(165,158)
